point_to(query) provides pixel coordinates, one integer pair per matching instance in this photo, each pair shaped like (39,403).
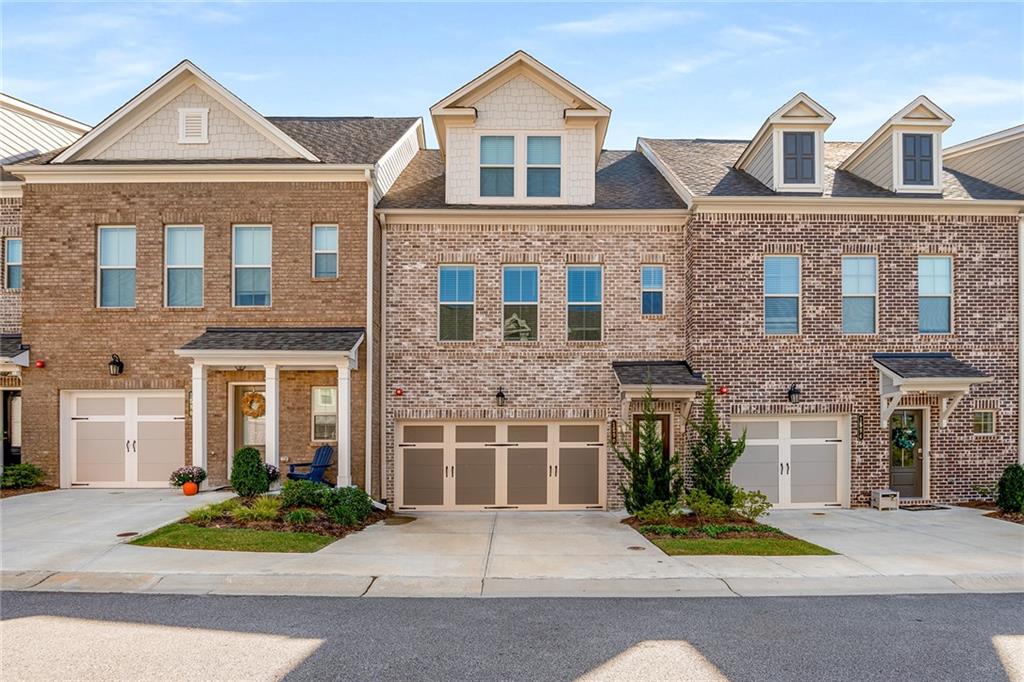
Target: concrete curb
(414,587)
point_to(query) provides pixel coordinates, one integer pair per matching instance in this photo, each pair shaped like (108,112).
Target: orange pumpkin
(190,488)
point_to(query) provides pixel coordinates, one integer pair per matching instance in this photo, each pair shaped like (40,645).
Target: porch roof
(936,374)
(302,339)
(12,350)
(926,366)
(656,372)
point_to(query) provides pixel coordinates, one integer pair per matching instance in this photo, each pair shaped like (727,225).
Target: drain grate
(127,534)
(636,548)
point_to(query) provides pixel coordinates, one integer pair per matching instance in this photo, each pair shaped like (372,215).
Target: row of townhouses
(474,326)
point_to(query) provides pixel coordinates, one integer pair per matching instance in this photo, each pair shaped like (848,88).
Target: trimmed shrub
(263,509)
(300,516)
(303,493)
(660,529)
(348,506)
(249,473)
(1010,491)
(22,476)
(706,507)
(656,512)
(750,504)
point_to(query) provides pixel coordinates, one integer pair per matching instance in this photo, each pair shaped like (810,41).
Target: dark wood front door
(662,422)
(906,452)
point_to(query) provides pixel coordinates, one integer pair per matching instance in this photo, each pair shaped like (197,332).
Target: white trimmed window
(520,296)
(860,294)
(520,168)
(652,289)
(252,266)
(183,276)
(585,300)
(325,251)
(193,126)
(935,294)
(544,166)
(12,253)
(456,298)
(325,414)
(782,295)
(116,277)
(984,422)
(497,165)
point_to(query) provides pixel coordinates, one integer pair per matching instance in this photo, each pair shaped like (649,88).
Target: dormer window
(798,158)
(193,126)
(497,165)
(543,166)
(918,159)
(520,168)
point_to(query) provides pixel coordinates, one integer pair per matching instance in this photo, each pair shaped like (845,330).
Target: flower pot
(190,488)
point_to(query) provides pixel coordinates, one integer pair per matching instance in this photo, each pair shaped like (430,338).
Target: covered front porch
(253,363)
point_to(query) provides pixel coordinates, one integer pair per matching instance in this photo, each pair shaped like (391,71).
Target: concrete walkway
(67,540)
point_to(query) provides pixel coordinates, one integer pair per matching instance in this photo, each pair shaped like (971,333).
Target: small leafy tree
(714,452)
(650,476)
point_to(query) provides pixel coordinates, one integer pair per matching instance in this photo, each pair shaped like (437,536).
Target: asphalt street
(170,637)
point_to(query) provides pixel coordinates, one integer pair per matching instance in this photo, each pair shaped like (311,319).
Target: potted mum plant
(188,479)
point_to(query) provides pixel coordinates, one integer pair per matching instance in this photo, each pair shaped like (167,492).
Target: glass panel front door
(906,452)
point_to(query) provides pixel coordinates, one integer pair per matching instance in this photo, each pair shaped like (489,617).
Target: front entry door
(906,452)
(249,432)
(661,425)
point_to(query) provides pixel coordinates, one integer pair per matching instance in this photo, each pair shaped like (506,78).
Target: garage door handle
(556,471)
(787,468)
(782,468)
(549,470)
(135,446)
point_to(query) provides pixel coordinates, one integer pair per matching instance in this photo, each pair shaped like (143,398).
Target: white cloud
(638,20)
(745,37)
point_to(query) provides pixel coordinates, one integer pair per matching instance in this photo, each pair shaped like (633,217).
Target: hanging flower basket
(254,405)
(904,437)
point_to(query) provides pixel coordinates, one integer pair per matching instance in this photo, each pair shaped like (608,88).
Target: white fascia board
(11,189)
(673,180)
(977,144)
(826,204)
(824,119)
(554,216)
(284,358)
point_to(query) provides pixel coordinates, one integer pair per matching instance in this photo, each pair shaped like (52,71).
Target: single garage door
(123,439)
(795,461)
(500,465)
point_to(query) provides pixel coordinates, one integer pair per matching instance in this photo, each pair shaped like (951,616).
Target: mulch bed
(693,523)
(978,504)
(994,511)
(321,525)
(12,492)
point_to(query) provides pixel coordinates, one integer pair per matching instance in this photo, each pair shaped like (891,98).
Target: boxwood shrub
(249,474)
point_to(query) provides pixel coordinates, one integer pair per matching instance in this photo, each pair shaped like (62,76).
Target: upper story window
(497,165)
(456,296)
(324,412)
(798,158)
(782,295)
(520,296)
(193,126)
(918,159)
(252,261)
(935,294)
(652,289)
(543,166)
(117,267)
(183,281)
(585,299)
(325,251)
(860,291)
(12,278)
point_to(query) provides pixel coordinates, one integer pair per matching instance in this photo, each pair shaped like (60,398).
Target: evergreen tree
(714,452)
(650,476)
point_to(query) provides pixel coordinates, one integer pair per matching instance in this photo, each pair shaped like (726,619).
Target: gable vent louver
(193,126)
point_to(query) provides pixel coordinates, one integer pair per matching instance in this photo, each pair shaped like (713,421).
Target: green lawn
(739,546)
(187,536)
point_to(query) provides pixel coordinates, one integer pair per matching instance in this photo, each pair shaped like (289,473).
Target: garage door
(123,439)
(500,465)
(795,461)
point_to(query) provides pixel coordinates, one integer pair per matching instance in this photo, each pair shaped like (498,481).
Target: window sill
(454,342)
(325,279)
(116,310)
(652,316)
(10,290)
(185,308)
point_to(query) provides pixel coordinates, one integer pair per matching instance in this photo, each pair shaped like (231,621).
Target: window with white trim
(543,166)
(456,300)
(984,422)
(325,251)
(193,126)
(183,261)
(497,165)
(520,296)
(782,295)
(116,267)
(12,254)
(585,300)
(325,413)
(860,294)
(935,294)
(652,289)
(252,265)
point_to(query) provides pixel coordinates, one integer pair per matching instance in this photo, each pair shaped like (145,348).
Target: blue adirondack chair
(321,460)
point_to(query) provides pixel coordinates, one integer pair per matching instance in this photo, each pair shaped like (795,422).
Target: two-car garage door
(500,465)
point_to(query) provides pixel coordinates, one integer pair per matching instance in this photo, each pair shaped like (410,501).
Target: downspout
(1020,335)
(384,348)
(368,445)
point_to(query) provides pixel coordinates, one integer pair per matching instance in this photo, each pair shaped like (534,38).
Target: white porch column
(199,439)
(344,425)
(272,419)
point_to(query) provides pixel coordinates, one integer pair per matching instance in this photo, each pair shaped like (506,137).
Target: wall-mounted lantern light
(793,394)
(613,436)
(499,397)
(860,426)
(116,366)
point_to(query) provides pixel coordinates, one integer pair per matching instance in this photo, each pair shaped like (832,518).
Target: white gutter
(368,445)
(1020,336)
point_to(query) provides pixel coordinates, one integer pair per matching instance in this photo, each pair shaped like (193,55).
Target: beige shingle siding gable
(157,136)
(1000,164)
(761,166)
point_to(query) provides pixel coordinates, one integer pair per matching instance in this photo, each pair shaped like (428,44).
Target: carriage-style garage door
(122,439)
(796,461)
(500,465)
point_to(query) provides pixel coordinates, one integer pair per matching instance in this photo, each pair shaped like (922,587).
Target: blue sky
(666,70)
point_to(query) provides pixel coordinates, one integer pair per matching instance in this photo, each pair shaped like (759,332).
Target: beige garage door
(124,439)
(500,465)
(795,461)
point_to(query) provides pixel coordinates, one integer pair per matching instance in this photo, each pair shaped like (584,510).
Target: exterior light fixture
(499,397)
(793,394)
(723,390)
(613,436)
(860,426)
(116,366)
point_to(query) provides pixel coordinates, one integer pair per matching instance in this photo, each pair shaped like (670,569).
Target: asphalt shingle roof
(927,366)
(341,339)
(705,167)
(656,372)
(625,180)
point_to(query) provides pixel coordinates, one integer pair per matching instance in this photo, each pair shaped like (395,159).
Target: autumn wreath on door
(254,405)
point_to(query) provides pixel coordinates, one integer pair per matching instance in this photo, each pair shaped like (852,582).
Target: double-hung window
(860,292)
(782,295)
(520,300)
(984,423)
(184,263)
(117,267)
(325,251)
(918,159)
(497,165)
(585,299)
(652,289)
(12,278)
(325,413)
(935,294)
(544,166)
(252,265)
(456,302)
(798,158)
